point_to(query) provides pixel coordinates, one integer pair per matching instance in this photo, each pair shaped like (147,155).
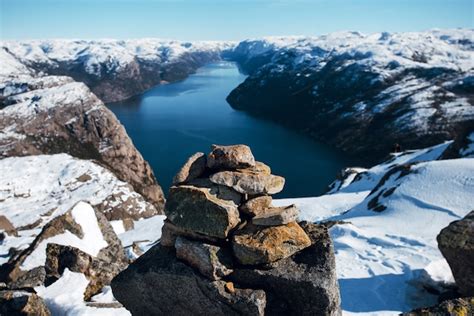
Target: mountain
(362,93)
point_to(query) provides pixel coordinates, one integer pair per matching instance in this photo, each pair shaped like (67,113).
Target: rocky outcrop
(362,93)
(81,240)
(457,307)
(223,261)
(56,115)
(456,243)
(21,302)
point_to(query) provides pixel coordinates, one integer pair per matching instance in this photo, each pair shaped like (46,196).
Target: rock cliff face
(362,93)
(224,261)
(49,115)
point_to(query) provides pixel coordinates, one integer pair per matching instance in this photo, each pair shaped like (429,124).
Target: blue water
(170,122)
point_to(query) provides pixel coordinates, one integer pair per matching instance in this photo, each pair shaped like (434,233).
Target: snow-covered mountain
(113,69)
(362,93)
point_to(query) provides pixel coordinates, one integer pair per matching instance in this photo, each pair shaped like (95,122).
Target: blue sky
(223,19)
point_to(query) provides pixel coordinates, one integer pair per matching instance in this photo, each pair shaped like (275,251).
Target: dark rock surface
(454,307)
(22,303)
(456,243)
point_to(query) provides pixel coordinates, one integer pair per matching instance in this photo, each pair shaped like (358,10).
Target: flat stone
(249,182)
(169,233)
(276,216)
(20,302)
(157,283)
(456,243)
(256,206)
(230,157)
(196,209)
(194,167)
(259,167)
(220,191)
(212,261)
(255,245)
(302,284)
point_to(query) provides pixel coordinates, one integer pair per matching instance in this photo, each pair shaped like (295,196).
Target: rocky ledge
(225,250)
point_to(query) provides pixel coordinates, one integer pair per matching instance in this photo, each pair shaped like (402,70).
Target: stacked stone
(225,198)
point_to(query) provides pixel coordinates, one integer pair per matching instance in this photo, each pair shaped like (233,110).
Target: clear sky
(223,19)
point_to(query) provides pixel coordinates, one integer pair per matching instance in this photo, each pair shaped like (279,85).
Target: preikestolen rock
(230,157)
(169,233)
(194,167)
(20,302)
(456,243)
(256,206)
(212,261)
(255,245)
(249,182)
(458,306)
(277,216)
(196,209)
(303,284)
(157,283)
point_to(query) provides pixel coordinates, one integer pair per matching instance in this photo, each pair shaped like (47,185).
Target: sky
(223,19)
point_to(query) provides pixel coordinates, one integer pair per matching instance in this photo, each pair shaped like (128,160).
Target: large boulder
(456,243)
(254,245)
(230,157)
(196,209)
(303,284)
(157,283)
(21,302)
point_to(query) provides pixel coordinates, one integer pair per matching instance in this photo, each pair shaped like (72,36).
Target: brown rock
(128,224)
(169,233)
(192,169)
(256,206)
(455,307)
(253,245)
(220,191)
(230,157)
(249,182)
(213,262)
(20,302)
(259,167)
(7,226)
(276,216)
(229,287)
(198,210)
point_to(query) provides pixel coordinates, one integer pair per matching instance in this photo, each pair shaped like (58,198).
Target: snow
(66,297)
(468,151)
(91,242)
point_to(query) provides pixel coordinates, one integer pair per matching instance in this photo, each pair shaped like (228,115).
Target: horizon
(209,20)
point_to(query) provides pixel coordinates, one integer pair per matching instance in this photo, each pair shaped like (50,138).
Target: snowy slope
(385,257)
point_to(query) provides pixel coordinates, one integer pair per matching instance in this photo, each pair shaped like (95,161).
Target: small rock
(192,169)
(256,206)
(128,224)
(249,182)
(213,262)
(22,303)
(169,233)
(459,307)
(230,157)
(276,216)
(456,243)
(256,245)
(7,226)
(229,287)
(196,209)
(259,167)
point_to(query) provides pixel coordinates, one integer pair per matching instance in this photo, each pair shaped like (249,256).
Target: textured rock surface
(303,284)
(256,206)
(57,115)
(456,243)
(173,288)
(277,216)
(169,233)
(455,307)
(192,169)
(249,182)
(6,226)
(19,302)
(198,210)
(230,157)
(213,262)
(256,245)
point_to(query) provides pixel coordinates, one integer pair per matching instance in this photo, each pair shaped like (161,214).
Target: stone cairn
(225,250)
(225,198)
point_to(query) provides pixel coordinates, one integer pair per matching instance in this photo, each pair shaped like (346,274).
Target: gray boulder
(456,243)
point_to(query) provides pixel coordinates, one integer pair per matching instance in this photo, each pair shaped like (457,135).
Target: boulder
(456,243)
(211,261)
(194,167)
(256,206)
(303,284)
(21,302)
(157,283)
(255,245)
(198,210)
(276,216)
(251,183)
(458,306)
(230,157)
